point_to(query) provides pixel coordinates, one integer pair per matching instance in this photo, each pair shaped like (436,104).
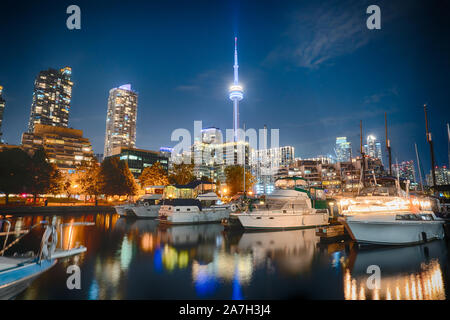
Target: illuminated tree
(116,178)
(44,176)
(88,178)
(182,173)
(235,179)
(154,175)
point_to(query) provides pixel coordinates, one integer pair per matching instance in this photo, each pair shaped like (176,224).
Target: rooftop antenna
(430,141)
(388,144)
(245,193)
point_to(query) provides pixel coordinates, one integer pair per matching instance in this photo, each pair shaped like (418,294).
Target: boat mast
(418,166)
(388,144)
(430,141)
(363,165)
(448,134)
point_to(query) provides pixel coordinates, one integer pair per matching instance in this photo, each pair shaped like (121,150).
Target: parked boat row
(290,206)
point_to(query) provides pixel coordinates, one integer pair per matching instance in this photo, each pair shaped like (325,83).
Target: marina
(192,154)
(130,258)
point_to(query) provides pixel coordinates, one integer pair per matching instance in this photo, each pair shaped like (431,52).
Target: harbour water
(138,259)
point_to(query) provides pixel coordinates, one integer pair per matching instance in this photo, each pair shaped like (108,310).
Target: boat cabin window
(408,217)
(427,217)
(270,205)
(149,201)
(378,191)
(207,203)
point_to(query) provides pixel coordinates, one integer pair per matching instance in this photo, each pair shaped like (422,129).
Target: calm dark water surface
(138,259)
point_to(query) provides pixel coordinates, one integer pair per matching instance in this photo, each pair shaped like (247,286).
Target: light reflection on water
(138,259)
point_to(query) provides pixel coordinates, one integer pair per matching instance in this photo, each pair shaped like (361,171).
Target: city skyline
(308,97)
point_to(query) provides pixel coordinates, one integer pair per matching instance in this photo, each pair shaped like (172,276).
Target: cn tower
(236,93)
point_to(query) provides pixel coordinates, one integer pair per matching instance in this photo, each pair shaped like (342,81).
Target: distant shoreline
(55,209)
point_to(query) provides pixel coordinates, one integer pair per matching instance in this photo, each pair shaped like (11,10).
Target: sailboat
(17,272)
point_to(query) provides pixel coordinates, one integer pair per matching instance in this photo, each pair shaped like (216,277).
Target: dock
(332,233)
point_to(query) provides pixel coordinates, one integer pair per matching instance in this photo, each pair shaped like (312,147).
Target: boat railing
(22,233)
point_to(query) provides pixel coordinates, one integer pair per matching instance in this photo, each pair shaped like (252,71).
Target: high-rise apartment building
(404,170)
(51,98)
(267,163)
(442,176)
(121,119)
(343,149)
(373,148)
(65,147)
(2,109)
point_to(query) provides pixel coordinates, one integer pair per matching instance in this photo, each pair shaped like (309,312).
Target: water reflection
(408,273)
(293,250)
(139,259)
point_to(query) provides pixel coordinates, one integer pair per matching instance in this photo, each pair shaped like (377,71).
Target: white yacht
(147,206)
(203,209)
(389,216)
(123,209)
(289,206)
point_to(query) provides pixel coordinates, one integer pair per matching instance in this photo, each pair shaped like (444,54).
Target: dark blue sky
(310,68)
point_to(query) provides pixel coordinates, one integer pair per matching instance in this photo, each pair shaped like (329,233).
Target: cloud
(377,97)
(187,88)
(321,33)
(202,82)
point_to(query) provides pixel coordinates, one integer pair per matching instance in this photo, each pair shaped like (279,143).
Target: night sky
(310,68)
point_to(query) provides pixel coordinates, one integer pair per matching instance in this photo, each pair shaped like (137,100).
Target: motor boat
(123,209)
(389,216)
(289,206)
(146,207)
(205,208)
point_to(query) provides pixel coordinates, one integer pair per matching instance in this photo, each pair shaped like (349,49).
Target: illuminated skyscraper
(236,93)
(405,170)
(51,98)
(373,148)
(2,109)
(343,149)
(121,119)
(442,176)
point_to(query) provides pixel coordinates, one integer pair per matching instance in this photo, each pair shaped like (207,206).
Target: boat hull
(16,280)
(395,233)
(256,221)
(122,209)
(145,211)
(195,217)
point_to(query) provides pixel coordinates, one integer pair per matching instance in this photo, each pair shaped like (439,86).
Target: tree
(182,173)
(14,171)
(67,184)
(235,179)
(154,175)
(116,178)
(44,176)
(88,178)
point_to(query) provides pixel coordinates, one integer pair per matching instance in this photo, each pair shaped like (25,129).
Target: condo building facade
(139,159)
(52,95)
(65,147)
(121,119)
(343,149)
